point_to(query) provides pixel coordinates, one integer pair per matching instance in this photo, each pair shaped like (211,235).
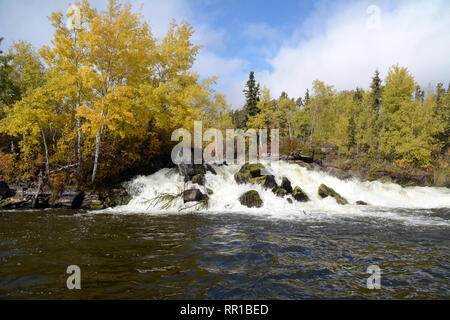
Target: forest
(101,101)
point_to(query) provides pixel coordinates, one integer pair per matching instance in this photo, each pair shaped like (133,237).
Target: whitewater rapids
(385,200)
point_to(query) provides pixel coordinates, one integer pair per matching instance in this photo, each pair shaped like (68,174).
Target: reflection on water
(221,256)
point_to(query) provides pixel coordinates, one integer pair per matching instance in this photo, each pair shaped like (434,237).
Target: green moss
(248,173)
(199,179)
(97,205)
(300,195)
(279,192)
(251,199)
(325,191)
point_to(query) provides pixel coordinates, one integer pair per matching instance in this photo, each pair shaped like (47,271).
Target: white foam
(379,196)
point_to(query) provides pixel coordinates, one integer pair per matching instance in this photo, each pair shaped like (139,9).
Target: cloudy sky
(287,43)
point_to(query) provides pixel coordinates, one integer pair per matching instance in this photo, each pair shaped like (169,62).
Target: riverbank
(26,196)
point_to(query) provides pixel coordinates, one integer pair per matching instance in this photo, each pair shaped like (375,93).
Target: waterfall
(381,197)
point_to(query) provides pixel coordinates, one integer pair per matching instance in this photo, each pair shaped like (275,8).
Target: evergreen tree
(307,99)
(251,95)
(377,91)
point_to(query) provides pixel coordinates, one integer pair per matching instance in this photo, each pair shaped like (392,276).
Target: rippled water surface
(223,256)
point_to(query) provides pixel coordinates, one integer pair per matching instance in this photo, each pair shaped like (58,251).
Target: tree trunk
(97,153)
(35,201)
(47,163)
(79,168)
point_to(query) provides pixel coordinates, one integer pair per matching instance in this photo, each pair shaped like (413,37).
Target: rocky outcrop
(325,191)
(361,203)
(248,173)
(251,199)
(286,185)
(267,181)
(199,179)
(192,195)
(300,195)
(5,191)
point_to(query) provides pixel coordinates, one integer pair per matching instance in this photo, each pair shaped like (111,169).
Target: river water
(281,251)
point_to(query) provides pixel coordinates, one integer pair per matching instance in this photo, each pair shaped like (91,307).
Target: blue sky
(287,43)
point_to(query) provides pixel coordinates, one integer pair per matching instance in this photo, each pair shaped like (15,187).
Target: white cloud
(231,73)
(261,31)
(345,53)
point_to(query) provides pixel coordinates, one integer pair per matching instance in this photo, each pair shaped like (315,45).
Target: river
(280,251)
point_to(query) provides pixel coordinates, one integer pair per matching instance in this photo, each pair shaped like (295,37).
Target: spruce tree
(377,91)
(251,95)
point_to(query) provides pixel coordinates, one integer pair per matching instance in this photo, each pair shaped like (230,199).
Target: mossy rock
(5,204)
(209,191)
(300,163)
(251,199)
(300,195)
(290,200)
(199,179)
(279,192)
(97,205)
(286,185)
(248,173)
(325,191)
(267,181)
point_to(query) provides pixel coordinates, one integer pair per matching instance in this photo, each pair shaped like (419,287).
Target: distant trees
(394,122)
(250,108)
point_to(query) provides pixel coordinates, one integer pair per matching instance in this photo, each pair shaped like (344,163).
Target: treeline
(102,99)
(395,121)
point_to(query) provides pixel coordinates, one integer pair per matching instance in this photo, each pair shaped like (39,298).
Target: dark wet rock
(211,169)
(361,203)
(267,181)
(286,185)
(115,197)
(192,195)
(325,191)
(5,191)
(290,200)
(199,179)
(251,199)
(209,191)
(8,204)
(300,195)
(300,163)
(190,170)
(279,192)
(77,201)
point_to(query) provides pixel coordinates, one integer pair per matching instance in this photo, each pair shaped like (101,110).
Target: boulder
(325,191)
(8,204)
(211,169)
(267,181)
(5,191)
(193,195)
(248,173)
(199,179)
(300,163)
(209,191)
(279,192)
(190,170)
(286,185)
(300,195)
(361,203)
(251,199)
(115,197)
